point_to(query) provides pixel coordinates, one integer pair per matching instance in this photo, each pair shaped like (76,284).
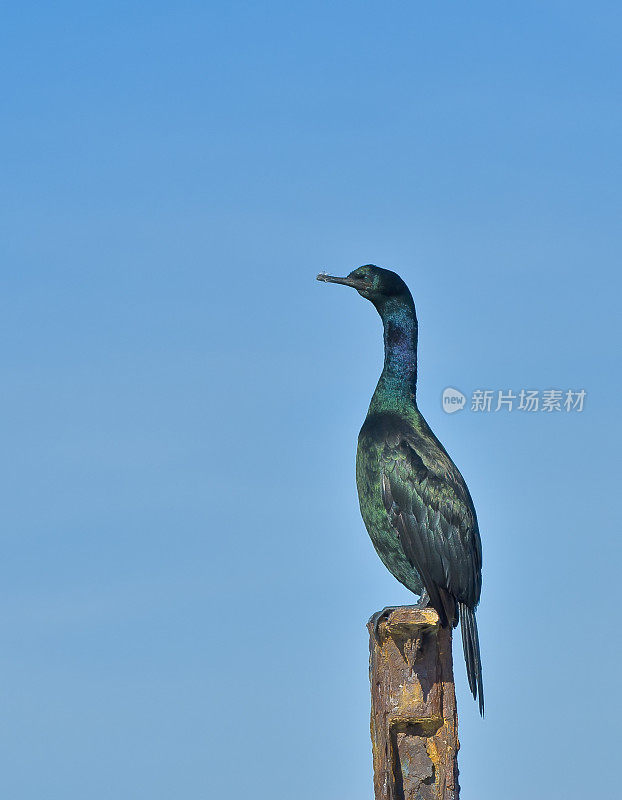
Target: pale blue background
(185,576)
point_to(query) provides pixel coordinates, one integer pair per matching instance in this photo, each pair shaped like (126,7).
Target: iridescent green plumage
(413,499)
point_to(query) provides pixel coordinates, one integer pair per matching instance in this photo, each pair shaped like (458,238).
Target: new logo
(453,400)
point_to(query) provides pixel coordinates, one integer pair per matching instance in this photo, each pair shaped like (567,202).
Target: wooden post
(414,725)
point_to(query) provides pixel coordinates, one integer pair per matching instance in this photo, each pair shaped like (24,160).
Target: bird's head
(374,283)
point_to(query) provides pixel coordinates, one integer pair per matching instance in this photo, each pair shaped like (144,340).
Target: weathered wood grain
(414,724)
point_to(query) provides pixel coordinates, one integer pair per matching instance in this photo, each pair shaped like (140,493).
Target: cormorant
(414,501)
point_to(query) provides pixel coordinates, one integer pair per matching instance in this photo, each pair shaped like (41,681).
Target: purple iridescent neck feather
(398,381)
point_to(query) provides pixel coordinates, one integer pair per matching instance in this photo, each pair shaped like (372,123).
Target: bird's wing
(431,510)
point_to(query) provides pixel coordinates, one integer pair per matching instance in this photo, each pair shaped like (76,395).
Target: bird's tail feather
(447,607)
(470,645)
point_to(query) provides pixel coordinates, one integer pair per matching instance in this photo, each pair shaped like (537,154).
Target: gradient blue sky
(185,576)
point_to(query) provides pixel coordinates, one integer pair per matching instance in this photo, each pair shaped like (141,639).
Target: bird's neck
(397,386)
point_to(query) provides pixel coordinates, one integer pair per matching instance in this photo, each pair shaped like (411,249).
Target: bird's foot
(379,617)
(424,600)
(382,616)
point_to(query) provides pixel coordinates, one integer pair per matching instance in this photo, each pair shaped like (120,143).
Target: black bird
(414,501)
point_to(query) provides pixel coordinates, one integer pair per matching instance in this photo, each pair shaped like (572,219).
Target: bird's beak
(355,283)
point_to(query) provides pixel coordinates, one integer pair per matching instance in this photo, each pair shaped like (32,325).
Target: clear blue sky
(185,576)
